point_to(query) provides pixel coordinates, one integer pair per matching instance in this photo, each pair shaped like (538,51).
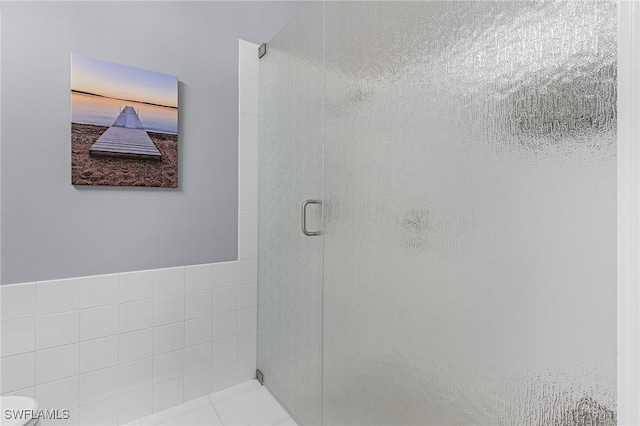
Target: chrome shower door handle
(305,203)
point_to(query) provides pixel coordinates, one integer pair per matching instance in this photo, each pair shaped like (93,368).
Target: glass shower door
(464,152)
(290,267)
(470,220)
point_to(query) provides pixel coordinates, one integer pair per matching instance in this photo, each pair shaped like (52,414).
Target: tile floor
(246,404)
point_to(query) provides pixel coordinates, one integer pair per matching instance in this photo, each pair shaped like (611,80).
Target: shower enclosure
(463,156)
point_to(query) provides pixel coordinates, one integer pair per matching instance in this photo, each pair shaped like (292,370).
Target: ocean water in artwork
(102,111)
(100,90)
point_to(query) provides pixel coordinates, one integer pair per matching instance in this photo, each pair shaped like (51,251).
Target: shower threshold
(248,403)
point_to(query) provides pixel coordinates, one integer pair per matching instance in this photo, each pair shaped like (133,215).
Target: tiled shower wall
(114,348)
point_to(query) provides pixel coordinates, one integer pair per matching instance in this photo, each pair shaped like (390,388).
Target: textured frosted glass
(470,222)
(290,267)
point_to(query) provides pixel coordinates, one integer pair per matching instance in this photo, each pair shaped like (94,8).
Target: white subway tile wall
(99,290)
(18,371)
(58,296)
(98,385)
(135,375)
(198,331)
(225,375)
(225,300)
(63,359)
(136,315)
(225,275)
(144,353)
(98,353)
(114,348)
(57,329)
(104,412)
(134,405)
(247,320)
(168,394)
(198,384)
(98,322)
(18,336)
(135,345)
(199,278)
(168,366)
(168,310)
(225,325)
(59,393)
(246,368)
(136,286)
(19,302)
(198,358)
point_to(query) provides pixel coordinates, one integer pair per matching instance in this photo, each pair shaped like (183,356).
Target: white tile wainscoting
(115,348)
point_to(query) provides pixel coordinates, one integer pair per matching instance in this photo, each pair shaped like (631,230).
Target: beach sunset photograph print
(124,125)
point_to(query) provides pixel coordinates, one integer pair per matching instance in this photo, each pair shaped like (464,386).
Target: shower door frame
(628,212)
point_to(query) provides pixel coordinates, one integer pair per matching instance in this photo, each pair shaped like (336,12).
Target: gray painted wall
(51,229)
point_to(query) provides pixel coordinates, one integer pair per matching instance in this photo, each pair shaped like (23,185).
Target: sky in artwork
(123,82)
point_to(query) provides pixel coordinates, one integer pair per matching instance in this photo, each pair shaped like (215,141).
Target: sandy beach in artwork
(88,170)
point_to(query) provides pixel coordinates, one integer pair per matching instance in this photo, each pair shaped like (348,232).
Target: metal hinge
(262,50)
(260,377)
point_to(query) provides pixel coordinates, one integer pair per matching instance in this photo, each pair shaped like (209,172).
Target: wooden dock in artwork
(126,138)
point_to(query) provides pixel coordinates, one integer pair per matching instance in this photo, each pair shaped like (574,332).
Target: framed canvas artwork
(124,125)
